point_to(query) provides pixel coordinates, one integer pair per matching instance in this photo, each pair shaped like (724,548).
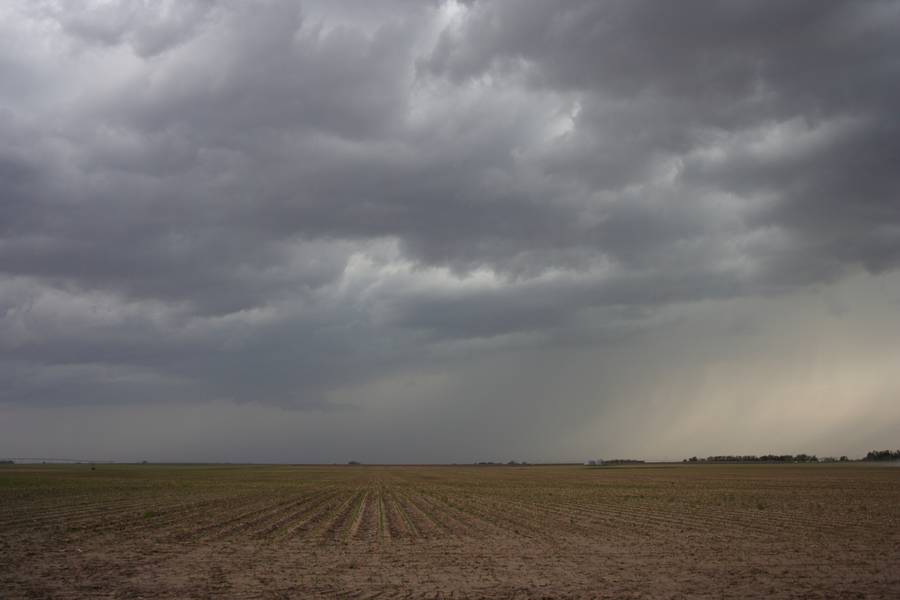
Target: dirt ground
(649,531)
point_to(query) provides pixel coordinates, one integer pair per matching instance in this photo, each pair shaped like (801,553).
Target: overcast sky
(410,231)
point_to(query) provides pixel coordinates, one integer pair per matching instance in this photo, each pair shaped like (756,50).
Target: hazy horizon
(448,232)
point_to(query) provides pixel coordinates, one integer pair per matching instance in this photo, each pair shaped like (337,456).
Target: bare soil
(649,531)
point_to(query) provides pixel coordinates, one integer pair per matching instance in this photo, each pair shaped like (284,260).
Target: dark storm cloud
(278,201)
(661,81)
(147,29)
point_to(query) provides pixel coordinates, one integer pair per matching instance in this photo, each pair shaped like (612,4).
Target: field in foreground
(145,531)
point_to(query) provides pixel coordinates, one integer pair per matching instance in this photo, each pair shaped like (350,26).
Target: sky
(410,231)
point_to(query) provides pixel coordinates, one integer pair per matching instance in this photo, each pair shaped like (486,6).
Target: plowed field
(735,531)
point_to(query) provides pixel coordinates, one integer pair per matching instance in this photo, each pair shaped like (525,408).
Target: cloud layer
(307,207)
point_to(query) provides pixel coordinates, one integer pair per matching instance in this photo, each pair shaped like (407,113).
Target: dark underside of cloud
(289,204)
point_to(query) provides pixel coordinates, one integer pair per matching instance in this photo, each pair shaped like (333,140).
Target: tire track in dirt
(263,525)
(772,497)
(188,512)
(301,529)
(644,522)
(227,518)
(358,516)
(247,526)
(370,528)
(500,516)
(384,527)
(658,518)
(568,517)
(648,514)
(794,519)
(287,520)
(424,524)
(329,530)
(70,515)
(398,526)
(31,508)
(203,519)
(564,521)
(473,523)
(160,519)
(124,518)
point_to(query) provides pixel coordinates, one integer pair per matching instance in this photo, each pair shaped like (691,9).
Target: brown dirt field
(277,532)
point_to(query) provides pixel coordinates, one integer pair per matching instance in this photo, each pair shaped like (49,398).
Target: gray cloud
(299,205)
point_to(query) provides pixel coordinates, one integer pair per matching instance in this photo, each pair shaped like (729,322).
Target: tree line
(883,455)
(874,455)
(765,458)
